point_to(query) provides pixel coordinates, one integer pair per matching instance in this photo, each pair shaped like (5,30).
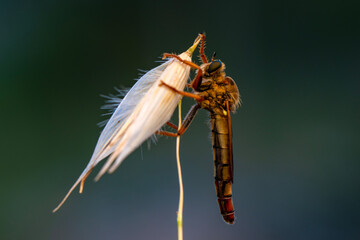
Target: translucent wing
(231,162)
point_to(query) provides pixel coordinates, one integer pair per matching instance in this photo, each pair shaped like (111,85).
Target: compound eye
(214,65)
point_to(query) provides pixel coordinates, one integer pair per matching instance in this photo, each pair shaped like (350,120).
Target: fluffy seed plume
(143,111)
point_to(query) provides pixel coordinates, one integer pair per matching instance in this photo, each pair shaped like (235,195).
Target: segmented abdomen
(223,165)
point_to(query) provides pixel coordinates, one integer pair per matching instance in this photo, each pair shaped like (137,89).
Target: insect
(217,93)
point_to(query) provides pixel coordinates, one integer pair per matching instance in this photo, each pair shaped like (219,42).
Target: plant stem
(181,197)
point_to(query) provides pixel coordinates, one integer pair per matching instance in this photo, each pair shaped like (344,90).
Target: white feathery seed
(144,110)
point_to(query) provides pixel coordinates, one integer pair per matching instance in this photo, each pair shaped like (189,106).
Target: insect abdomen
(223,165)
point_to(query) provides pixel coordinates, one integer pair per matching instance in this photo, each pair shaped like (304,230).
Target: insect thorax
(215,90)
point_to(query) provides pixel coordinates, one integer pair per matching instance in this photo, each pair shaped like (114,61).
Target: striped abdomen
(222,145)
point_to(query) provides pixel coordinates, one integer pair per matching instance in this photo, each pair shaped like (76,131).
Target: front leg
(186,94)
(195,84)
(202,47)
(191,64)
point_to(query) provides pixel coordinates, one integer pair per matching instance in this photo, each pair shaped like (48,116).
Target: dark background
(296,137)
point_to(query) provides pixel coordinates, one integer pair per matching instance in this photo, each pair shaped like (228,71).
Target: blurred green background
(296,137)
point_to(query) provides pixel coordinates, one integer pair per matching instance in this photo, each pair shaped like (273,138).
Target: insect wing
(231,162)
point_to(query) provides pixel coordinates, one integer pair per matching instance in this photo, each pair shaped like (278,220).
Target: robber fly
(217,93)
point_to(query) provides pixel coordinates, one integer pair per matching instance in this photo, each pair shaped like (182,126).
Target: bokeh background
(296,137)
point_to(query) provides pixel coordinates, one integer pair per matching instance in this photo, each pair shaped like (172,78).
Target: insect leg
(170,124)
(191,64)
(197,80)
(195,84)
(186,123)
(168,134)
(202,55)
(186,94)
